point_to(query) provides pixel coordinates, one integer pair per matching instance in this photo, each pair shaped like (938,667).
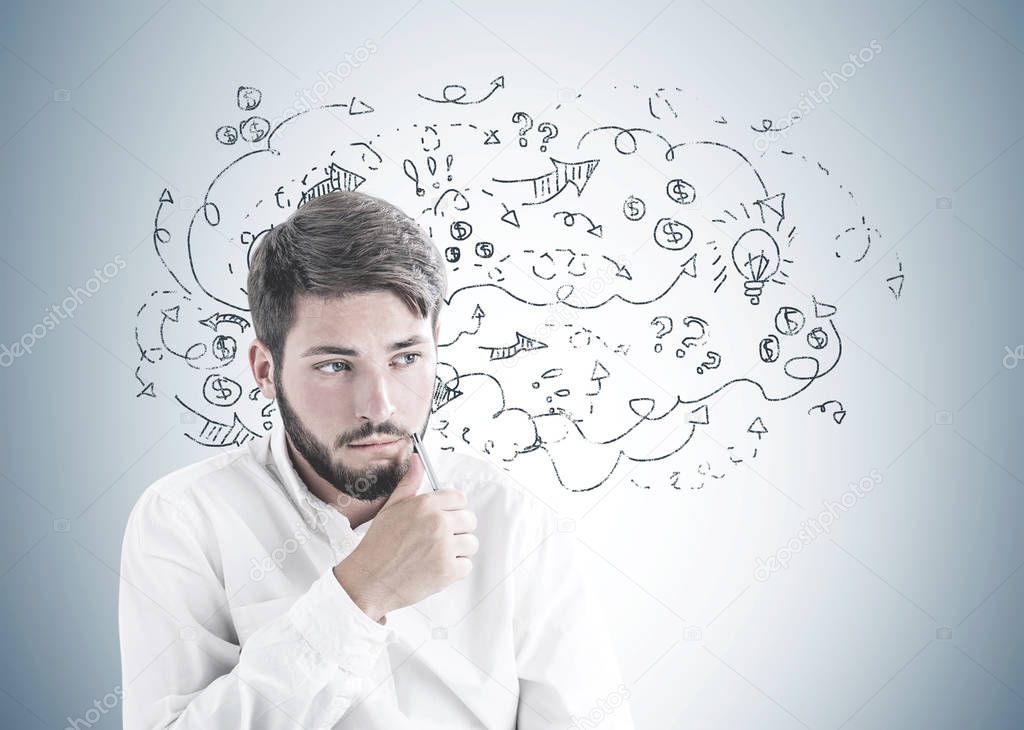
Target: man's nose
(374,402)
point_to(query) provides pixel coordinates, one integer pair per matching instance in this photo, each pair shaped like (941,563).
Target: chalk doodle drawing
(616,289)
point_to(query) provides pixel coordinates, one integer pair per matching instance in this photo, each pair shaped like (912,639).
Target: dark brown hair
(338,244)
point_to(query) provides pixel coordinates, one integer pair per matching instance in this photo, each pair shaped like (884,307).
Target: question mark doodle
(713,361)
(551,132)
(688,342)
(520,118)
(665,325)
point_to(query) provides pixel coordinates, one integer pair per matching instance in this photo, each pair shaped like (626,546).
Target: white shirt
(230,615)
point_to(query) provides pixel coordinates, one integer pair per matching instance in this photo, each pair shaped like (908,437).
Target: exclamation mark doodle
(448,162)
(409,168)
(432,168)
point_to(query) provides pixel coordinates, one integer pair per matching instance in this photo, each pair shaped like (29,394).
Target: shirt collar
(309,505)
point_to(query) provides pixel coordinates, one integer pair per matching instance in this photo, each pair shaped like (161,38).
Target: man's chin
(374,481)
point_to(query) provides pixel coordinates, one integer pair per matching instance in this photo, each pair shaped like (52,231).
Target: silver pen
(417,445)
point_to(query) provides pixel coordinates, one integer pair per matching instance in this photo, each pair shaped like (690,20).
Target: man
(313,578)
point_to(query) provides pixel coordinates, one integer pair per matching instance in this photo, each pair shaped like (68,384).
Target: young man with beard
(313,578)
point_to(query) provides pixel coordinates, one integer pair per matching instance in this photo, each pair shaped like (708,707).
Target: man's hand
(417,545)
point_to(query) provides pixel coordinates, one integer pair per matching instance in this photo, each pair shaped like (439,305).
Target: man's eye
(330,365)
(409,354)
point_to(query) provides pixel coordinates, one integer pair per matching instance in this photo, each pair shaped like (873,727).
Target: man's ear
(262,364)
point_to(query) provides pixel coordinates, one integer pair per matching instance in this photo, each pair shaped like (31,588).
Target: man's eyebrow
(352,352)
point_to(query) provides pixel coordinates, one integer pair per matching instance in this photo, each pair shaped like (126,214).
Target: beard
(368,485)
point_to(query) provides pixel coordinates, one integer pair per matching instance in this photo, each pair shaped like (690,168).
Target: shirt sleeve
(568,670)
(182,666)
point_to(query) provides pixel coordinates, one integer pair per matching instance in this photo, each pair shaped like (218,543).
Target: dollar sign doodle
(224,347)
(223,391)
(680,191)
(672,234)
(817,338)
(461,230)
(634,208)
(769,349)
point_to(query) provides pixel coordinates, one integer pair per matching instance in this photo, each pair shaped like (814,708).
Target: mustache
(369,431)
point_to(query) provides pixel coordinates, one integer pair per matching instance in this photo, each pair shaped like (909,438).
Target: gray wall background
(907,615)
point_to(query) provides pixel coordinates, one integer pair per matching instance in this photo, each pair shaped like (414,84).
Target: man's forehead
(315,307)
(356,321)
(375,306)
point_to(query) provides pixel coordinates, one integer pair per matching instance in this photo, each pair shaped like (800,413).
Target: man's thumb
(409,484)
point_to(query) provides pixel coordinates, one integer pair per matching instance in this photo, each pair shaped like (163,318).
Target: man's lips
(375,445)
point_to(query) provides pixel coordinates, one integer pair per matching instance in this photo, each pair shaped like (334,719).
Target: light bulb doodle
(756,256)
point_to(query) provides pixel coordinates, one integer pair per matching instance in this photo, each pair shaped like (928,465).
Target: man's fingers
(465,545)
(462,520)
(450,498)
